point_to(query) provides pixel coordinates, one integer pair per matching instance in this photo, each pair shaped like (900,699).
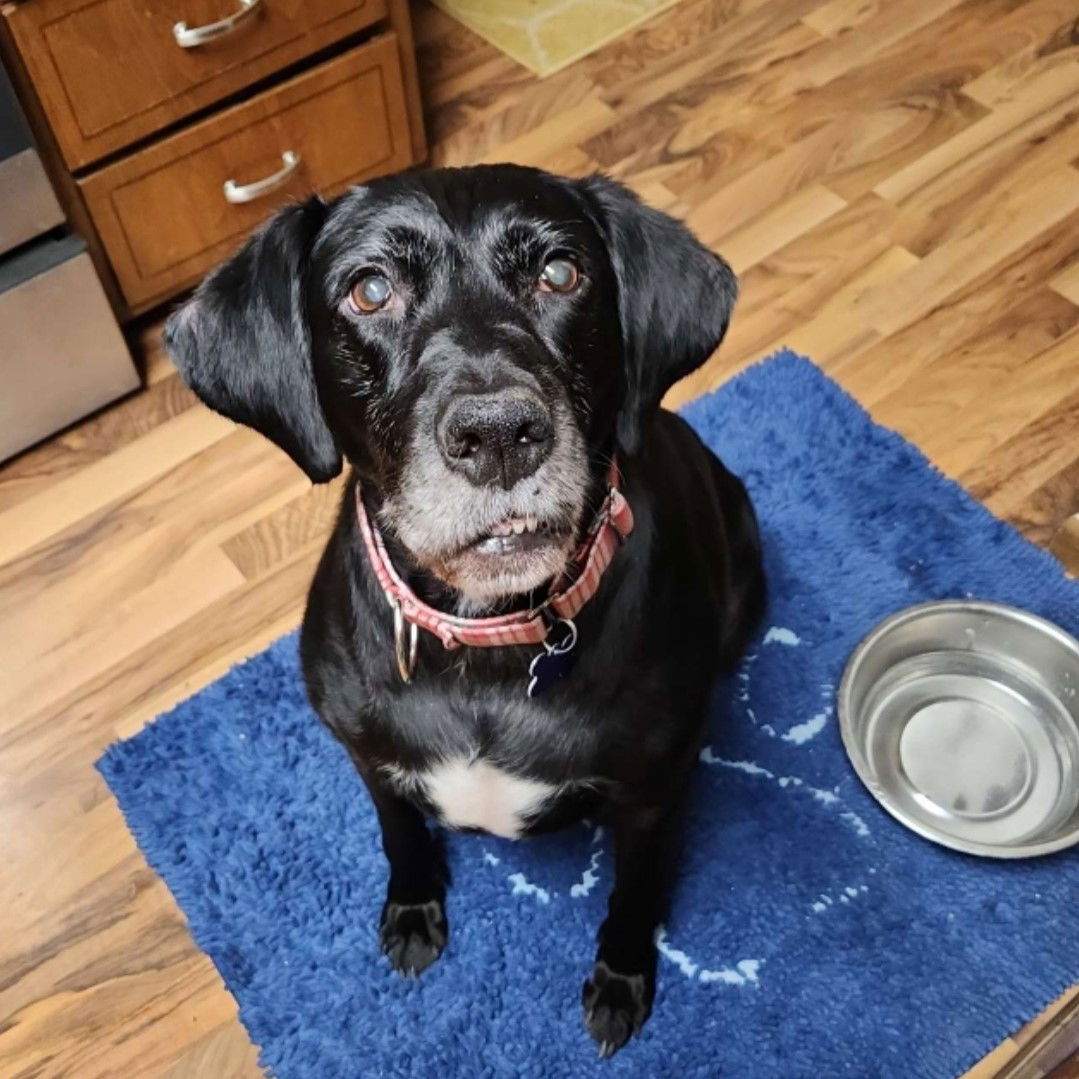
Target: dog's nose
(496,438)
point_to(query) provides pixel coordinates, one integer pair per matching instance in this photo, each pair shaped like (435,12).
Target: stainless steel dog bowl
(962,719)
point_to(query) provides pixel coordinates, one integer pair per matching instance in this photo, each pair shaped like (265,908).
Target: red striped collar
(613,523)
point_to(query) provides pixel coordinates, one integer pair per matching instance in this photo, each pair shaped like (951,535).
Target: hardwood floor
(897,184)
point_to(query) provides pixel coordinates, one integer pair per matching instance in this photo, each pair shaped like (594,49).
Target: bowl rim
(860,762)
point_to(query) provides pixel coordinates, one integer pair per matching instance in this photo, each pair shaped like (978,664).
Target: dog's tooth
(531,523)
(518,526)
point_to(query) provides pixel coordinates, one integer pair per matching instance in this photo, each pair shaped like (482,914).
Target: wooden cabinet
(112,71)
(163,215)
(149,120)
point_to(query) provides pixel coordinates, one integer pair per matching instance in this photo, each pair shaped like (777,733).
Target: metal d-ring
(566,645)
(406,658)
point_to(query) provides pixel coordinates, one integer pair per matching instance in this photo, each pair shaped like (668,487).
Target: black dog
(482,345)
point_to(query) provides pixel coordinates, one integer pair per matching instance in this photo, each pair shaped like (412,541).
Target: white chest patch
(475,794)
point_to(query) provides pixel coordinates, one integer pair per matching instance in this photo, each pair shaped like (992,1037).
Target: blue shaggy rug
(811,935)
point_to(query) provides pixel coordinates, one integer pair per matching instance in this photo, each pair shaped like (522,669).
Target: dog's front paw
(413,934)
(615,1006)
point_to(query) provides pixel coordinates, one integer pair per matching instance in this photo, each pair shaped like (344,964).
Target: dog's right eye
(370,294)
(559,275)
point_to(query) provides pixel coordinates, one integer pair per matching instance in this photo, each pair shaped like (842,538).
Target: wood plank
(841,16)
(916,75)
(276,537)
(1043,105)
(534,146)
(1042,57)
(1065,544)
(1067,282)
(987,299)
(229,486)
(690,57)
(868,34)
(105,481)
(817,319)
(1002,409)
(1021,216)
(747,246)
(798,282)
(943,391)
(69,658)
(836,330)
(826,252)
(225,1053)
(1014,469)
(1044,512)
(148,679)
(760,189)
(677,126)
(494,119)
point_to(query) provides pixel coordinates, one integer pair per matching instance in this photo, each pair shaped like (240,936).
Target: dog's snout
(496,438)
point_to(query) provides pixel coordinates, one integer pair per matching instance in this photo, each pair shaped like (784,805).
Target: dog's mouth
(518,535)
(515,555)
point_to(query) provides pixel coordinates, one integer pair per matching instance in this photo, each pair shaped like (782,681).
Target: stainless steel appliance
(62,354)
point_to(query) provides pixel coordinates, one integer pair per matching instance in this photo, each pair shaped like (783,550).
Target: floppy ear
(674,300)
(242,342)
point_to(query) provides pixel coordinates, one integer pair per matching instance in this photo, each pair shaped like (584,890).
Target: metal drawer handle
(238,193)
(194,36)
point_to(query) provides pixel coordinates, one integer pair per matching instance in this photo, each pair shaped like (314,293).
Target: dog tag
(557,658)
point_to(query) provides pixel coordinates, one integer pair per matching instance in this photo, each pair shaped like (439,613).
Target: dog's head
(476,342)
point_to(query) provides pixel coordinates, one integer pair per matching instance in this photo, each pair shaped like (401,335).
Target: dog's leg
(618,994)
(413,927)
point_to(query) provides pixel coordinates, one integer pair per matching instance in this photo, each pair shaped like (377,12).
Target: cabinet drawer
(110,72)
(162,214)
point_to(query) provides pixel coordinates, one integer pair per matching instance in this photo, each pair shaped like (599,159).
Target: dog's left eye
(370,294)
(560,275)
